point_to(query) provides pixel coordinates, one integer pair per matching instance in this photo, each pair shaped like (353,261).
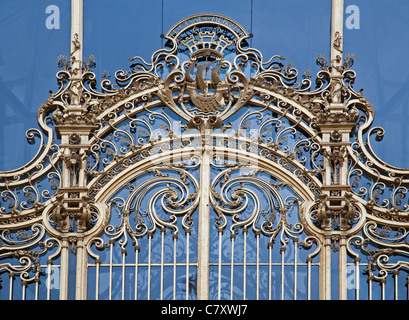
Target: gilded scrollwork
(166,201)
(252,203)
(27,246)
(385,247)
(141,140)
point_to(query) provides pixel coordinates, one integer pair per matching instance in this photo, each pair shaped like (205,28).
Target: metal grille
(196,176)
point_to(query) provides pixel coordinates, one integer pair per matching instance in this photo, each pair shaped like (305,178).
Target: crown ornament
(207,39)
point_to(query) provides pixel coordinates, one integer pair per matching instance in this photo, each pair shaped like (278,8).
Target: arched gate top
(206,76)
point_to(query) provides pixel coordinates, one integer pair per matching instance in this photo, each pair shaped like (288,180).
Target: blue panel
(115,31)
(297,30)
(376,32)
(28,65)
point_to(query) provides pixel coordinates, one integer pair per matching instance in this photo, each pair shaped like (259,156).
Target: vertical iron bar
(64,269)
(149,263)
(111,244)
(48,279)
(282,250)
(244,262)
(97,264)
(187,263)
(357,260)
(232,265)
(37,283)
(220,264)
(257,234)
(309,260)
(174,265)
(123,273)
(136,270)
(295,267)
(270,247)
(396,273)
(204,218)
(370,287)
(383,283)
(11,275)
(161,262)
(23,293)
(342,279)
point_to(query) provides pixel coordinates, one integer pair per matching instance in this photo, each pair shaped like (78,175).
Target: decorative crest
(202,40)
(207,20)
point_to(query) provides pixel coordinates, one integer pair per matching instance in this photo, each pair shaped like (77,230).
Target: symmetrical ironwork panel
(205,173)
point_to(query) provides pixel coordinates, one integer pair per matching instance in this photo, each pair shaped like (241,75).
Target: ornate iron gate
(207,173)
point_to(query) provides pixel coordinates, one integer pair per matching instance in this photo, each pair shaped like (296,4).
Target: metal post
(204,220)
(64,269)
